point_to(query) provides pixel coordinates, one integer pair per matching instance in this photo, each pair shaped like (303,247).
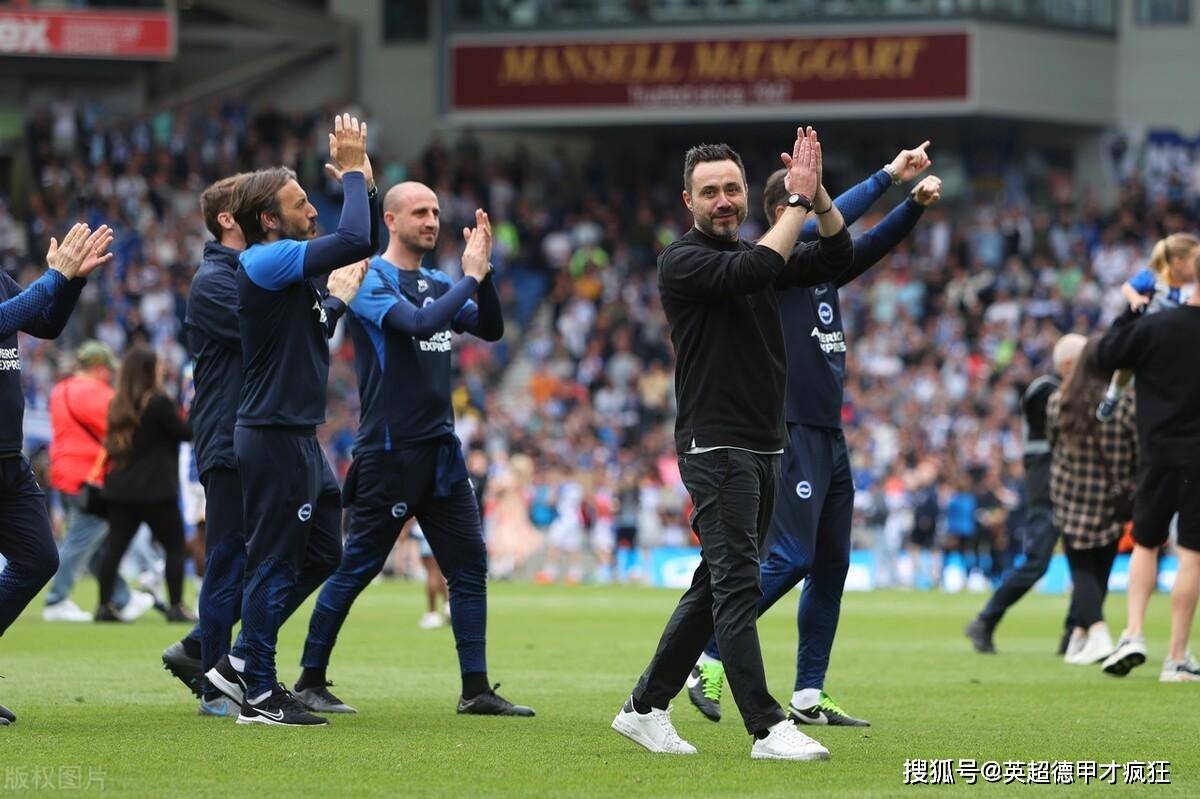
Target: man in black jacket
(1160,349)
(731,368)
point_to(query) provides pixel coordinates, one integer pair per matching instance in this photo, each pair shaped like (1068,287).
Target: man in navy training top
(212,329)
(291,501)
(407,460)
(810,528)
(41,310)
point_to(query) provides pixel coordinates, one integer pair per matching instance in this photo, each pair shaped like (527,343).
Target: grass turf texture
(96,697)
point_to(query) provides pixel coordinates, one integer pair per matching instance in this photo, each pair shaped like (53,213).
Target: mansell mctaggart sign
(687,74)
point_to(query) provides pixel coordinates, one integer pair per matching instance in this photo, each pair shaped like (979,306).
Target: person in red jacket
(79,422)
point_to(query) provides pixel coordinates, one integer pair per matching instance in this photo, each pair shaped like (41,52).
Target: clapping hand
(476,259)
(804,164)
(348,149)
(81,252)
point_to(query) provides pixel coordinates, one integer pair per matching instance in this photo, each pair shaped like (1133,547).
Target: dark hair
(137,382)
(775,194)
(256,194)
(703,153)
(1081,392)
(218,199)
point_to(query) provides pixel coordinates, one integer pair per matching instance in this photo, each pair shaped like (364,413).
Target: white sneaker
(1074,644)
(139,602)
(785,742)
(1186,670)
(1130,653)
(652,730)
(431,621)
(1096,647)
(66,610)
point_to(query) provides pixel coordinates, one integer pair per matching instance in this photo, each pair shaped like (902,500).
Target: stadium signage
(88,34)
(681,74)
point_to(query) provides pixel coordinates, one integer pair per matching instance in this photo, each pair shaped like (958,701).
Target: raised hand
(348,149)
(804,164)
(67,258)
(476,259)
(96,248)
(910,163)
(345,282)
(928,191)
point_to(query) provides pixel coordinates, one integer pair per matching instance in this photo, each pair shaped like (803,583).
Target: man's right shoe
(183,667)
(279,708)
(321,700)
(219,705)
(652,730)
(980,633)
(66,610)
(785,742)
(1130,653)
(226,679)
(137,606)
(704,687)
(6,716)
(1186,670)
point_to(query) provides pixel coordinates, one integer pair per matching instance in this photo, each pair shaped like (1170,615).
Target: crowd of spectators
(575,407)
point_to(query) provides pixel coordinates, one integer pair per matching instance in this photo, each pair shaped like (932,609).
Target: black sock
(639,706)
(311,678)
(763,733)
(474,684)
(191,648)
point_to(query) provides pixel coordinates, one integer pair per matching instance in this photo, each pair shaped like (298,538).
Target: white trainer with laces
(139,603)
(66,610)
(785,742)
(431,621)
(1129,654)
(1096,647)
(652,730)
(1186,670)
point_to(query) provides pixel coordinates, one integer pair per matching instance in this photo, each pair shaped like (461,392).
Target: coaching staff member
(731,368)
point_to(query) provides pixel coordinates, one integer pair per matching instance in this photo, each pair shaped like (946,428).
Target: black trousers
(165,524)
(734,496)
(1089,580)
(1040,538)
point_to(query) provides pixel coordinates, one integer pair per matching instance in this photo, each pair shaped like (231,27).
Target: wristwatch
(799,201)
(891,170)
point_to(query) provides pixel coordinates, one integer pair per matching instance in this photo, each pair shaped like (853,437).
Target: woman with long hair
(142,485)
(1089,460)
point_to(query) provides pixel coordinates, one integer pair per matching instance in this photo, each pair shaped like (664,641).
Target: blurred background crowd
(573,410)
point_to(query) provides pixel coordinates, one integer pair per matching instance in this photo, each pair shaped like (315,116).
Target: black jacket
(151,473)
(730,358)
(213,338)
(1161,351)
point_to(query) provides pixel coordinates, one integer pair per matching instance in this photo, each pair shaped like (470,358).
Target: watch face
(794,199)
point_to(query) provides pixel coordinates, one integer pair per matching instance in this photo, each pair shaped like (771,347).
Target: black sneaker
(826,713)
(280,708)
(181,614)
(1064,642)
(6,716)
(184,667)
(1107,408)
(226,679)
(490,703)
(322,700)
(704,687)
(980,633)
(107,613)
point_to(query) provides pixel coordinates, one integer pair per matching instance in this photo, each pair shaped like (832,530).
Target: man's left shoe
(6,716)
(490,703)
(320,700)
(183,667)
(704,687)
(217,704)
(826,712)
(980,634)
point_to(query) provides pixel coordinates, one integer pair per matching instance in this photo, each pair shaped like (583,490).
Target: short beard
(414,245)
(707,228)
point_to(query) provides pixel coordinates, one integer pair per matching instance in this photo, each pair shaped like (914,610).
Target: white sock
(806,697)
(707,658)
(258,699)
(239,664)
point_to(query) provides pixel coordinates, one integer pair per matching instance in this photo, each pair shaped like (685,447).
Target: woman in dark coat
(142,485)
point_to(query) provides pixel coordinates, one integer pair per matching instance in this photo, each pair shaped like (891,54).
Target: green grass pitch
(94,704)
